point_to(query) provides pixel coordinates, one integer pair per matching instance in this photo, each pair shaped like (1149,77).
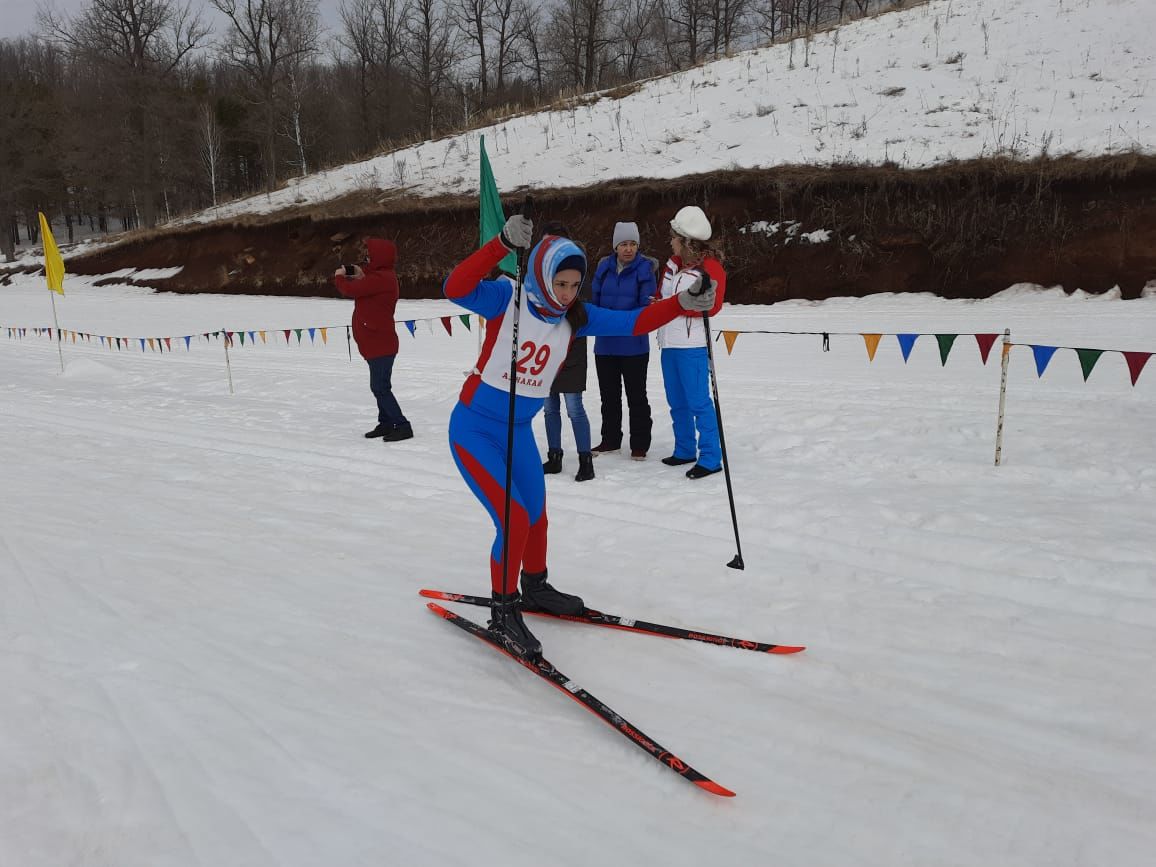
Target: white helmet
(691,222)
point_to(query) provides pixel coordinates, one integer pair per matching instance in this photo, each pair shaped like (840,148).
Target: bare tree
(144,42)
(429,55)
(470,18)
(263,40)
(503,23)
(209,133)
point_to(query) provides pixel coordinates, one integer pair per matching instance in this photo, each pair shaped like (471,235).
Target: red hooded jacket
(374,300)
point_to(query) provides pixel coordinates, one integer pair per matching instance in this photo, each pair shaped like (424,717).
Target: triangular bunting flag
(324,335)
(242,333)
(142,344)
(906,342)
(169,344)
(446,323)
(1088,359)
(297,331)
(286,336)
(188,340)
(945,341)
(312,331)
(262,333)
(74,337)
(150,342)
(729,338)
(985,342)
(252,336)
(872,341)
(1043,355)
(465,317)
(412,326)
(1136,362)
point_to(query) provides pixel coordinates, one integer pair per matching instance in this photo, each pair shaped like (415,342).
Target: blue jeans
(380,383)
(686,375)
(578,420)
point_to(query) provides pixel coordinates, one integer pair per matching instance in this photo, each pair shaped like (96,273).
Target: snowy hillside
(954,79)
(213,653)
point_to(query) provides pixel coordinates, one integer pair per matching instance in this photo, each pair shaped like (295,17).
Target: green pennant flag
(297,331)
(1088,359)
(491,217)
(945,342)
(465,317)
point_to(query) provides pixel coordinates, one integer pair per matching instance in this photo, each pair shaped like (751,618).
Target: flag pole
(56,325)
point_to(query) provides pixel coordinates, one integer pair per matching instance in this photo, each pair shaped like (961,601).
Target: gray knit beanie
(625,232)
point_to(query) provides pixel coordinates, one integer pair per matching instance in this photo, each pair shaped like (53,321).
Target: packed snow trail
(213,651)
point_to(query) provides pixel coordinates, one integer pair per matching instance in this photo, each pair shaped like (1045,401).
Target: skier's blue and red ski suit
(479,422)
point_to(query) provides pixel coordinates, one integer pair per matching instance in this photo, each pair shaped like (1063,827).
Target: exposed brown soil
(963,231)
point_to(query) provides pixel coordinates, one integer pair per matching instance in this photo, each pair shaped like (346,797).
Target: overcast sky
(18,17)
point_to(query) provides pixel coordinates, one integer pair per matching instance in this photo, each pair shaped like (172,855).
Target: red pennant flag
(448,327)
(985,342)
(169,344)
(286,332)
(1136,362)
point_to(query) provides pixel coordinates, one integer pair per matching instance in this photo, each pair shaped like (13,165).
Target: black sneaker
(698,471)
(397,433)
(605,447)
(378,431)
(506,625)
(676,461)
(538,595)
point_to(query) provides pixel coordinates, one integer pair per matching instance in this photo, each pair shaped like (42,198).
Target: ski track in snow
(214,652)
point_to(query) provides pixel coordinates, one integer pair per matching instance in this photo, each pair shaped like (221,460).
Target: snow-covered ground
(213,652)
(949,80)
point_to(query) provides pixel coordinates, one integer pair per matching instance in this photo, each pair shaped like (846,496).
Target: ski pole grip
(703,283)
(527,207)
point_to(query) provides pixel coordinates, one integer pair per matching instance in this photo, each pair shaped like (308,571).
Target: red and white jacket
(686,331)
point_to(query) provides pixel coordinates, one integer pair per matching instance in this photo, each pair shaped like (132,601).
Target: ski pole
(737,561)
(521,275)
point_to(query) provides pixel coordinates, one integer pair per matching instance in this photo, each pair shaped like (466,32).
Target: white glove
(518,232)
(699,296)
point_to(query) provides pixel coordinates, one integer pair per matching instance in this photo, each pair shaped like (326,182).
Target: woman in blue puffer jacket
(624,281)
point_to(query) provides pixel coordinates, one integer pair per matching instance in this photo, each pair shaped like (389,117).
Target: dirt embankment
(962,231)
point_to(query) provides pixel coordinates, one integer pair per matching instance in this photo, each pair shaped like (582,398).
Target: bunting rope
(1089,357)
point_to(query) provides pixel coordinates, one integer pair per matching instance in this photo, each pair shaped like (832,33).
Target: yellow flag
(730,337)
(872,341)
(53,264)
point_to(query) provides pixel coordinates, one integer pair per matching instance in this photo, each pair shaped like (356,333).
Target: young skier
(548,320)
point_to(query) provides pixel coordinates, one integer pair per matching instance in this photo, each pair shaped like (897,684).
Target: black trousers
(615,371)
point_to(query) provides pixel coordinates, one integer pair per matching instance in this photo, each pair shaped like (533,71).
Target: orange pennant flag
(872,341)
(150,342)
(324,335)
(262,333)
(729,337)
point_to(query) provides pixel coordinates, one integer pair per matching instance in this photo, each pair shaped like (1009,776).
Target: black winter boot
(538,595)
(585,467)
(507,625)
(553,462)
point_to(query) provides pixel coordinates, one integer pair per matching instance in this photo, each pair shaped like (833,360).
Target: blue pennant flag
(188,337)
(252,339)
(1043,355)
(906,342)
(142,343)
(412,326)
(311,332)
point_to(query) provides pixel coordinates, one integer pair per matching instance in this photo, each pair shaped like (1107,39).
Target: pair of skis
(545,670)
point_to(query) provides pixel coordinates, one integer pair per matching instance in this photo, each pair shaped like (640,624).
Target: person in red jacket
(374,292)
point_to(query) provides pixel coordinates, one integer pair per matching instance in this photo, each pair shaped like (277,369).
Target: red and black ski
(555,678)
(613,621)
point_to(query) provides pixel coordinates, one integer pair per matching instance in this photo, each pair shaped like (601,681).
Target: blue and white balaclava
(546,259)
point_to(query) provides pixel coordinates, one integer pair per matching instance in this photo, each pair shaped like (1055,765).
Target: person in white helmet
(685,363)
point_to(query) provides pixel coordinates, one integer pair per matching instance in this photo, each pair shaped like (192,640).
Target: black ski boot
(507,625)
(585,467)
(537,595)
(553,462)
